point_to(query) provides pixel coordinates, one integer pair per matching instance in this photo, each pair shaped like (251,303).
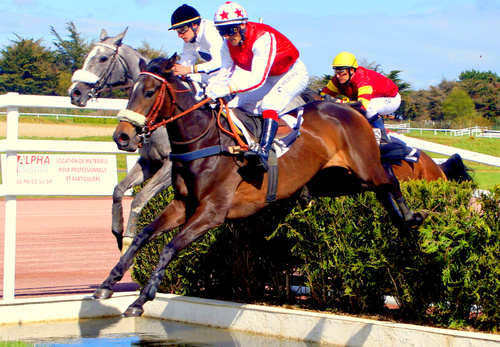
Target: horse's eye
(150,93)
(103,59)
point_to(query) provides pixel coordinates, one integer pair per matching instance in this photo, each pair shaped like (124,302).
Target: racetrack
(64,246)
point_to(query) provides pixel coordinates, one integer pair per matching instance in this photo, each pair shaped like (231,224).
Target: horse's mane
(157,65)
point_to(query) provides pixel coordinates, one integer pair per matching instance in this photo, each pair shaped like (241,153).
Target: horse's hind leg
(173,216)
(395,204)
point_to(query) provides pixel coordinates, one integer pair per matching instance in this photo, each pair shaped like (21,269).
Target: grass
(486,176)
(14,344)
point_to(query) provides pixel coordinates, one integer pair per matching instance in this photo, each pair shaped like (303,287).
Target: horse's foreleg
(202,221)
(159,182)
(173,216)
(135,177)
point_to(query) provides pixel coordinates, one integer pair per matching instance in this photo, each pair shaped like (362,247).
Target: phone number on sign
(34,181)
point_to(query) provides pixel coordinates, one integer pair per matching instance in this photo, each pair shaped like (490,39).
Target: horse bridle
(101,82)
(150,124)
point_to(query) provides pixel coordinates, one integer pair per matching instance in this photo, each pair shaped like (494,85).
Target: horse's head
(150,100)
(104,66)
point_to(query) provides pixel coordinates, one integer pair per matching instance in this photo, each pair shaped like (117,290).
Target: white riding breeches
(383,106)
(276,93)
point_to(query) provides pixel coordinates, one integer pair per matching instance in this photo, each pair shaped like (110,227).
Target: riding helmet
(345,60)
(184,15)
(230,13)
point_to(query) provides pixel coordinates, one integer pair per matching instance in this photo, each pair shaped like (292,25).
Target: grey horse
(110,63)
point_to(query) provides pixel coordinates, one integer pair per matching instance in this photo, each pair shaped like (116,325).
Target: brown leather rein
(150,124)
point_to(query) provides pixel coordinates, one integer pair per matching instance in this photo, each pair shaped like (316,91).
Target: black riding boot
(266,141)
(378,123)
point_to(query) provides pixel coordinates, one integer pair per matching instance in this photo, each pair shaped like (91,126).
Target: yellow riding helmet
(345,60)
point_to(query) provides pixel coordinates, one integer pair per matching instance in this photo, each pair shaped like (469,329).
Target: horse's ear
(142,64)
(104,34)
(119,38)
(174,58)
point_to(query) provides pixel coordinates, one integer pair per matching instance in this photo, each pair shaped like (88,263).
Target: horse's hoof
(102,294)
(133,312)
(417,219)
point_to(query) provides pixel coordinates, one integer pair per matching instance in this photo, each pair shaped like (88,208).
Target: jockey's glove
(217,91)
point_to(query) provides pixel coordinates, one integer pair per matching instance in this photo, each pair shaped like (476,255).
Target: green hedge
(350,256)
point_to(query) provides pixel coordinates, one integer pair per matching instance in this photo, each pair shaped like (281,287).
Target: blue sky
(427,39)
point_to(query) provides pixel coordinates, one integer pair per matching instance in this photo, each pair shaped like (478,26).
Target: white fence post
(9,267)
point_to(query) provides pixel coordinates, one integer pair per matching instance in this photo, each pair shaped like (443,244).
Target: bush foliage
(350,256)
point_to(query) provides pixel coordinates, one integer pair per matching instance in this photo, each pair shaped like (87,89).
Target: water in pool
(143,332)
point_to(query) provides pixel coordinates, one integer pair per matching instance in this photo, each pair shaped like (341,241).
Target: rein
(153,113)
(101,83)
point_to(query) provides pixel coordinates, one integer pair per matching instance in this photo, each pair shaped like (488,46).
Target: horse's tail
(455,169)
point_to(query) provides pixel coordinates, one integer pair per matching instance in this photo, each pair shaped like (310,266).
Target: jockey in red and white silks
(275,74)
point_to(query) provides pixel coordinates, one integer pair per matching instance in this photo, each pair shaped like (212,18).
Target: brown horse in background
(425,168)
(336,154)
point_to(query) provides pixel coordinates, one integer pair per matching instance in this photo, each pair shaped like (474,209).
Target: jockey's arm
(264,52)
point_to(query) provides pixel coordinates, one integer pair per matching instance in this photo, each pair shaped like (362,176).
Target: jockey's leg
(377,123)
(268,133)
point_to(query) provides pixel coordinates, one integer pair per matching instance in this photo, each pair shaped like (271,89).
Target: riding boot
(377,122)
(268,133)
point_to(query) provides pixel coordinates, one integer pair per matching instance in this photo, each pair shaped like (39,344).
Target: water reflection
(140,332)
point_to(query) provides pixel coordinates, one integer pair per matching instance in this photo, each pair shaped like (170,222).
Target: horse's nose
(122,140)
(76,97)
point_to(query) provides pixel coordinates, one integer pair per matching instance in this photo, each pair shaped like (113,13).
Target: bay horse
(425,168)
(112,63)
(336,154)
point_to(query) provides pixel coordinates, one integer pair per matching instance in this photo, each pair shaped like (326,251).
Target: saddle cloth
(288,129)
(396,151)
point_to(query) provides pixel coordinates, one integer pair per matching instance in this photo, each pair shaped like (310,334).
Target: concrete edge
(286,323)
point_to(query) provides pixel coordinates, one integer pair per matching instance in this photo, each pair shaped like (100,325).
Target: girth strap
(200,153)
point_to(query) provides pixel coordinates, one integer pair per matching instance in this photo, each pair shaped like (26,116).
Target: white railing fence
(12,145)
(472,131)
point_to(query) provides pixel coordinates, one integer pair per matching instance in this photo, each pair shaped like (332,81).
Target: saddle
(396,151)
(287,133)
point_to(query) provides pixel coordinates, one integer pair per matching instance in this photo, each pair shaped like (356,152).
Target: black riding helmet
(184,15)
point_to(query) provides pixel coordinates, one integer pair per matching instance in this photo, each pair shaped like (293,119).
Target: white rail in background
(12,145)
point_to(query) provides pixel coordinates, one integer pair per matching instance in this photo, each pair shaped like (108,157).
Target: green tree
(458,108)
(484,89)
(69,55)
(27,67)
(318,83)
(403,87)
(152,53)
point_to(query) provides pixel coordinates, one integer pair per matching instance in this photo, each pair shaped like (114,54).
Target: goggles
(341,71)
(182,30)
(228,30)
